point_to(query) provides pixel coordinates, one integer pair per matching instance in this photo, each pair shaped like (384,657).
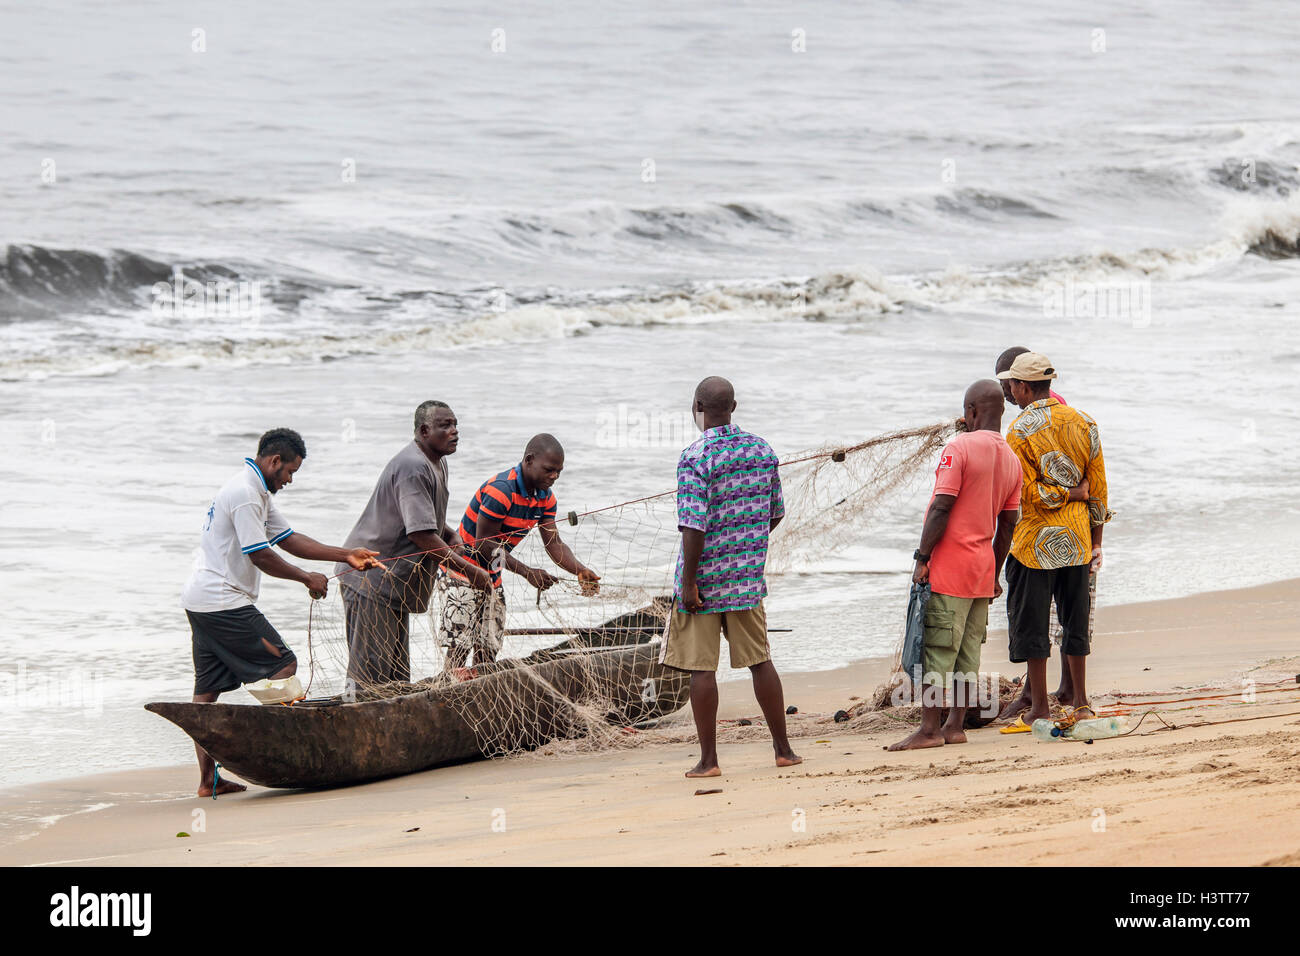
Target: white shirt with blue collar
(241,520)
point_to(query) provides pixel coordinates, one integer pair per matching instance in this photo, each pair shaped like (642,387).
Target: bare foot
(1014,707)
(954,736)
(699,770)
(1030,717)
(788,759)
(225,786)
(918,741)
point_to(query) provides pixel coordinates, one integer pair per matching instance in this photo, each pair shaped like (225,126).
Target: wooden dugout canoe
(331,743)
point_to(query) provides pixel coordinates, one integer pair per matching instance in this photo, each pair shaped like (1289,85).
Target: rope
(834,454)
(1202,723)
(1208,723)
(311,658)
(1126,712)
(1180,700)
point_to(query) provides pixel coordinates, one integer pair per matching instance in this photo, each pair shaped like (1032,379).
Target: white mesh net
(577,666)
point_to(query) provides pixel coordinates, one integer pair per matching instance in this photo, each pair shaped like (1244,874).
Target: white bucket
(281,691)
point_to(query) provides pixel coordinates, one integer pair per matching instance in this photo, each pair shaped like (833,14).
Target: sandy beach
(1218,789)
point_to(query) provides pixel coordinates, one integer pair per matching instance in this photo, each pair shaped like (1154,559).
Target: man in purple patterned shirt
(728,502)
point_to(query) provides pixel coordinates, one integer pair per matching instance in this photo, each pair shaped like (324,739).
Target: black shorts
(1030,592)
(230,648)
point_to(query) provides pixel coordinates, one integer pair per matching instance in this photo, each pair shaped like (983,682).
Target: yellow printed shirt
(1058,446)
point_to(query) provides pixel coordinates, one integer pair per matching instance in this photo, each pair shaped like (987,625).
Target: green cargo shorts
(955,628)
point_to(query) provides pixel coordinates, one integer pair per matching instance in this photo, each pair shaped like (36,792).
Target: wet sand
(1218,789)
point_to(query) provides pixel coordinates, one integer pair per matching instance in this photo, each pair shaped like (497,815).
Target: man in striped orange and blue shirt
(503,510)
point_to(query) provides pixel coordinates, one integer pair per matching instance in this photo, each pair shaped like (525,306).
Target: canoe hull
(310,746)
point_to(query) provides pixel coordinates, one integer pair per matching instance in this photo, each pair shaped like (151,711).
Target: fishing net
(832,494)
(577,668)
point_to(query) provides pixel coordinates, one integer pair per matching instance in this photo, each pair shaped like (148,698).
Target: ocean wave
(1270,229)
(1277,245)
(40,282)
(1256,176)
(977,204)
(324,323)
(36,281)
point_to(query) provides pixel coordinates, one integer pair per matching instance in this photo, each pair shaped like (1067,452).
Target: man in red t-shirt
(964,542)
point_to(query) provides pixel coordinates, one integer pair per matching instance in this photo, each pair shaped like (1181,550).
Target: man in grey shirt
(406,520)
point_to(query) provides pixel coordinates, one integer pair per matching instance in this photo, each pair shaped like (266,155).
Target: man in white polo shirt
(233,643)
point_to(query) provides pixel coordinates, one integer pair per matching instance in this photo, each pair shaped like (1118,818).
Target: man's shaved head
(715,395)
(543,444)
(983,406)
(986,393)
(1007,357)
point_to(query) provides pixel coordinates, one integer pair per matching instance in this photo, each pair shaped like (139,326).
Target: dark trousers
(379,643)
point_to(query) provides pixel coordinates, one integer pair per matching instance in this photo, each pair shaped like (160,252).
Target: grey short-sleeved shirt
(410,495)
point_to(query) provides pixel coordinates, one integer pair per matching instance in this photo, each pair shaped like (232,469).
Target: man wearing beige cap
(1057,542)
(1065,691)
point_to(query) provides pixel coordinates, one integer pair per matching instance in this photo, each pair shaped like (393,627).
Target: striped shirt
(507,499)
(728,487)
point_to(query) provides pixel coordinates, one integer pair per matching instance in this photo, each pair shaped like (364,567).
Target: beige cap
(1030,367)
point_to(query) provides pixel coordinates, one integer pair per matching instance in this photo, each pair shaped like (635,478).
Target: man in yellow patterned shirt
(1057,541)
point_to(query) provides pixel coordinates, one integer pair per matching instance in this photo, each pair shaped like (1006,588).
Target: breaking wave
(86,312)
(40,282)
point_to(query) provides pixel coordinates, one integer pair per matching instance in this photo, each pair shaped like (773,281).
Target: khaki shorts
(694,641)
(954,630)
